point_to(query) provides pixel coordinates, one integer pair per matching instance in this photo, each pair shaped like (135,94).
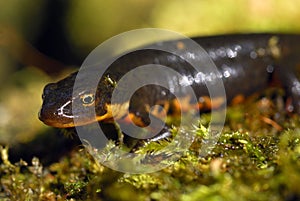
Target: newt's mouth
(55,119)
(57,124)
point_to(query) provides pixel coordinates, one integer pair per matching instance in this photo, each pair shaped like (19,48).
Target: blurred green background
(68,30)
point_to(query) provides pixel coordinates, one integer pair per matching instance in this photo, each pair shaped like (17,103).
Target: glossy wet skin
(246,62)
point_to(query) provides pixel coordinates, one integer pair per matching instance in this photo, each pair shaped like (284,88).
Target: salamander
(246,63)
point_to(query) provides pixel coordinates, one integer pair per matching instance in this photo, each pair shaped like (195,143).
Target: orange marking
(217,102)
(176,107)
(116,111)
(238,99)
(205,103)
(180,45)
(133,118)
(272,123)
(182,105)
(156,110)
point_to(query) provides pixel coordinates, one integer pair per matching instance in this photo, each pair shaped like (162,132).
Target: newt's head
(61,106)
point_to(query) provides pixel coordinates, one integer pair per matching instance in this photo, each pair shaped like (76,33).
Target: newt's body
(246,63)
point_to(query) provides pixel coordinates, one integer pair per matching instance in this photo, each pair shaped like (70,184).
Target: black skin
(253,61)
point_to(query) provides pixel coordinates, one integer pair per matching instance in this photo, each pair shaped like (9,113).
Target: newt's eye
(87,99)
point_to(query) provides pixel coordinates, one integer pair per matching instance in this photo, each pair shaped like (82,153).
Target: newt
(247,63)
